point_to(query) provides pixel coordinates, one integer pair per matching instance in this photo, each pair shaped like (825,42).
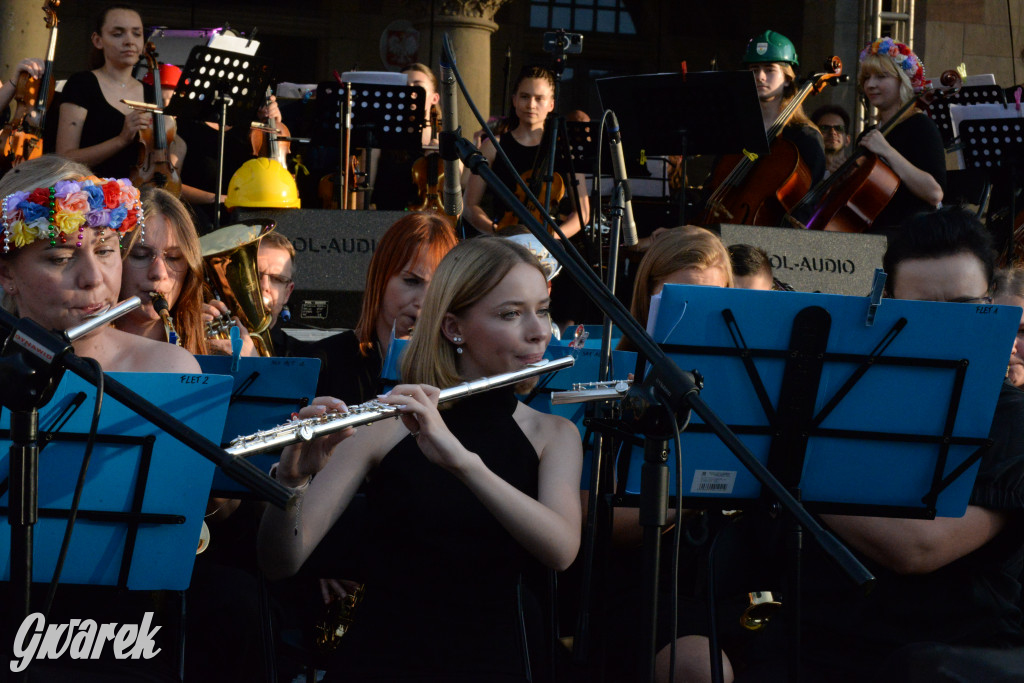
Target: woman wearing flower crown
(890,76)
(60,259)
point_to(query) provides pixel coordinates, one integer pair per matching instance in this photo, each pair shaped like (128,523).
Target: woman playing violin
(533,99)
(890,75)
(95,128)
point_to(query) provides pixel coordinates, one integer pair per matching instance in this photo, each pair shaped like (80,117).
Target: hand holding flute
(301,461)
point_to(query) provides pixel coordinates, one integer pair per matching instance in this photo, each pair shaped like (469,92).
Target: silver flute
(592,391)
(310,428)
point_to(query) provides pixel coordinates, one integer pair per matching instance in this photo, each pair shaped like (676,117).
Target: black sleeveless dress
(443,577)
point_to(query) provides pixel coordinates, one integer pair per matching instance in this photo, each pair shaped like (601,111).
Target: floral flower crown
(902,56)
(70,205)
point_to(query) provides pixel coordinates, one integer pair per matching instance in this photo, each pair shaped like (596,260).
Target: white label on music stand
(713,481)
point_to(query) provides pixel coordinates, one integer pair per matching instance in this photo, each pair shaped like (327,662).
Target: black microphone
(619,174)
(450,132)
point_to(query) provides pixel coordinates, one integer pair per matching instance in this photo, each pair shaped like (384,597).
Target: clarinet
(310,428)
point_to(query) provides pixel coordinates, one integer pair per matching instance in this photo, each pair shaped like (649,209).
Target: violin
(751,190)
(539,189)
(329,188)
(265,142)
(428,173)
(851,199)
(154,167)
(22,138)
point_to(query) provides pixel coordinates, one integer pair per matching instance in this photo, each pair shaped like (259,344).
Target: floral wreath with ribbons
(902,56)
(56,213)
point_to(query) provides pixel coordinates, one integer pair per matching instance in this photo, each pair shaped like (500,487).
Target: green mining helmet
(770,47)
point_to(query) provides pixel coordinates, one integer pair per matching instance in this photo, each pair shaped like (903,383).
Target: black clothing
(918,139)
(345,373)
(811,147)
(443,576)
(102,123)
(393,189)
(201,162)
(525,159)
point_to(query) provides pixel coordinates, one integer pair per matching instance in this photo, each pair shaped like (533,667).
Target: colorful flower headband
(903,57)
(56,212)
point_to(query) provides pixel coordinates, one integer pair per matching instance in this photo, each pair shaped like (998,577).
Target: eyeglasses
(837,129)
(144,258)
(971,300)
(279,280)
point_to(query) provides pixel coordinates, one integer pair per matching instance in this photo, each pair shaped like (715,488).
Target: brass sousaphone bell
(230,256)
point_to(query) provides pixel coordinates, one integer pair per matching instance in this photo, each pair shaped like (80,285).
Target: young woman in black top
(95,128)
(890,76)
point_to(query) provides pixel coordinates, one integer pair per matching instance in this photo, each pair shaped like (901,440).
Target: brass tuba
(230,256)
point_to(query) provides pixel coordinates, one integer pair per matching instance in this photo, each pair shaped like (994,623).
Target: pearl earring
(458,350)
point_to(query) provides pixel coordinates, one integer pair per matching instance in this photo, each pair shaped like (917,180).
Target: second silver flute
(372,411)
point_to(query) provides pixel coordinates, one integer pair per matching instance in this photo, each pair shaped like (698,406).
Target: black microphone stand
(32,363)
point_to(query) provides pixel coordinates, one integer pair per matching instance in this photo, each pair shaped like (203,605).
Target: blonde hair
(681,248)
(1009,282)
(275,240)
(187,311)
(879,65)
(44,171)
(465,275)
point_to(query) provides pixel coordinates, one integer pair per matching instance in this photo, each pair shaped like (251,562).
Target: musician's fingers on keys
(418,406)
(306,458)
(214,309)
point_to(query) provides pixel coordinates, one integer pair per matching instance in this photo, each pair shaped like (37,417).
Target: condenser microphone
(450,132)
(619,174)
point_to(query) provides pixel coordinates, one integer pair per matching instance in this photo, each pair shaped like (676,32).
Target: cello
(22,138)
(154,167)
(851,199)
(754,191)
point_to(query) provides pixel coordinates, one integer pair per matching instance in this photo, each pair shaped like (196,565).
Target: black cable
(79,485)
(676,532)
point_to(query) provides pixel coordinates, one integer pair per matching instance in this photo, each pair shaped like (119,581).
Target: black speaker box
(332,254)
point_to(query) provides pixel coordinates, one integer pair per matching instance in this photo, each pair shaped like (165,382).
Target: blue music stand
(145,493)
(265,391)
(877,422)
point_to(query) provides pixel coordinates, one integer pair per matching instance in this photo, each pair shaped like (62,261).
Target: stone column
(469,24)
(23,33)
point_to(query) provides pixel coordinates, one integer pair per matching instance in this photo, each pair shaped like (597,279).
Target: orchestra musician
(834,123)
(772,58)
(463,500)
(687,255)
(63,284)
(393,187)
(94,126)
(533,99)
(890,75)
(166,260)
(402,266)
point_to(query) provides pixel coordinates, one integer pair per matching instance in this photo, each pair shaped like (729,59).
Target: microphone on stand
(621,178)
(450,132)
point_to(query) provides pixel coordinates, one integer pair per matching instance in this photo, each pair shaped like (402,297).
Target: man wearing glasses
(276,264)
(834,124)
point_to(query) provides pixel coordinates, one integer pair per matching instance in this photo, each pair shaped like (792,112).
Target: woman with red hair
(400,270)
